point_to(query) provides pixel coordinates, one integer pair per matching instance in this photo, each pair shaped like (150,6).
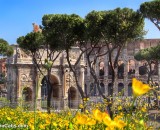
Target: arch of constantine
(24,80)
(25,83)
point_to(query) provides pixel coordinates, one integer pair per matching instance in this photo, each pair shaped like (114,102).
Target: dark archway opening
(71,97)
(27,94)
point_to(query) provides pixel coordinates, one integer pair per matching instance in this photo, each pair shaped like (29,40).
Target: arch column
(126,78)
(18,84)
(106,67)
(81,76)
(115,85)
(38,90)
(66,84)
(125,73)
(136,65)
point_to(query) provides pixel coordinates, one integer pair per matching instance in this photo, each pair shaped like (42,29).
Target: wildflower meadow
(128,114)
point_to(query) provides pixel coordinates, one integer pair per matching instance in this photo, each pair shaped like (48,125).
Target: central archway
(54,82)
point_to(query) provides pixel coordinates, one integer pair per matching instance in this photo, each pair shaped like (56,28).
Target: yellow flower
(119,123)
(119,108)
(98,115)
(81,106)
(42,126)
(86,111)
(139,88)
(81,118)
(54,124)
(85,99)
(48,121)
(144,109)
(107,120)
(8,118)
(91,121)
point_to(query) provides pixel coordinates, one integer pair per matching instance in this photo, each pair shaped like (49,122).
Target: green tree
(66,31)
(35,44)
(151,10)
(94,44)
(5,48)
(107,33)
(151,56)
(120,26)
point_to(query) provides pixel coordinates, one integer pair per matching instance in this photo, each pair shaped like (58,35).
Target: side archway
(72,93)
(54,84)
(27,94)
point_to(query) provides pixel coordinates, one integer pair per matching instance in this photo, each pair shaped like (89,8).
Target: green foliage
(151,10)
(5,48)
(122,25)
(48,64)
(62,30)
(31,42)
(148,54)
(93,24)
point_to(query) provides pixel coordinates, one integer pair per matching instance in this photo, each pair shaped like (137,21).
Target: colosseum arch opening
(130,89)
(121,89)
(110,85)
(143,68)
(131,69)
(101,70)
(120,69)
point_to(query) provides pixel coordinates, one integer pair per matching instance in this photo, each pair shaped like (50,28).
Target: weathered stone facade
(127,69)
(23,80)
(23,77)
(2,77)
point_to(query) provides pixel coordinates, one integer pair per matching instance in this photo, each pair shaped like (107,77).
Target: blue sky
(17,16)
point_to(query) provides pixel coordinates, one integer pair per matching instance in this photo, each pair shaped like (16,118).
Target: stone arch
(120,69)
(54,81)
(72,94)
(102,87)
(130,89)
(131,67)
(143,68)
(27,94)
(110,85)
(121,88)
(101,70)
(109,70)
(44,89)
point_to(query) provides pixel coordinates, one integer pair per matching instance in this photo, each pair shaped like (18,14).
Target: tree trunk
(50,89)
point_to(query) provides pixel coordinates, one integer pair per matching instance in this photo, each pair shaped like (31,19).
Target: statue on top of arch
(36,28)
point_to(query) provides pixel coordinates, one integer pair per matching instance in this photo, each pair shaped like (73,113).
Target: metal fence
(74,104)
